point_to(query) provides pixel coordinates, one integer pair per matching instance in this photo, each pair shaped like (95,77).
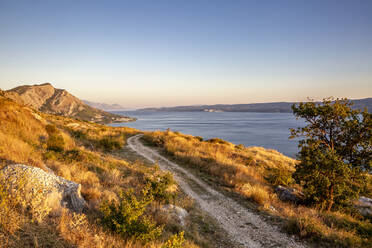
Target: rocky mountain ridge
(46,98)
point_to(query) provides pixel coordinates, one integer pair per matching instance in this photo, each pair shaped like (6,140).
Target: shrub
(158,187)
(127,218)
(56,143)
(175,241)
(279,177)
(218,141)
(73,155)
(51,129)
(109,143)
(78,134)
(240,147)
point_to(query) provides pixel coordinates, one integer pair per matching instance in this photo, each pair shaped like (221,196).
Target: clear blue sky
(163,53)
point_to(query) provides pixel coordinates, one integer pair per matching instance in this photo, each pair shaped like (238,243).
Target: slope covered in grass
(91,155)
(251,173)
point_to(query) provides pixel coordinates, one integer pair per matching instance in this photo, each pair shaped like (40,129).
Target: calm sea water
(269,130)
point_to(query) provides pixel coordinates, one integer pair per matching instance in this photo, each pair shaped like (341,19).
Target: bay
(269,130)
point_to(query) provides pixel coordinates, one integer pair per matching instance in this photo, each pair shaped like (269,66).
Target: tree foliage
(335,153)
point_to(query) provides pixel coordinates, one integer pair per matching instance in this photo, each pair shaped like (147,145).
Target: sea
(269,130)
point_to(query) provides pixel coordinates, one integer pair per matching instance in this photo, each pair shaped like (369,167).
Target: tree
(336,152)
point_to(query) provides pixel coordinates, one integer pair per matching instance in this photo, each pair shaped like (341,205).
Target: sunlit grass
(253,172)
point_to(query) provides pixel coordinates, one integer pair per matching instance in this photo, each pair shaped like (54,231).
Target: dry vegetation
(251,173)
(82,152)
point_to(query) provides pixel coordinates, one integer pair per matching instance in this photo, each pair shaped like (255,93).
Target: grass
(252,173)
(88,155)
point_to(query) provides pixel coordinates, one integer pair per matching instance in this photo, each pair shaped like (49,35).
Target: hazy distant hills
(272,107)
(46,98)
(104,106)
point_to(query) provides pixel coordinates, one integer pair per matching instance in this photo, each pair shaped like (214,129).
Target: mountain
(272,107)
(46,98)
(104,106)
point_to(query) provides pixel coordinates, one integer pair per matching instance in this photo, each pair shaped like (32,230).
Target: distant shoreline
(271,107)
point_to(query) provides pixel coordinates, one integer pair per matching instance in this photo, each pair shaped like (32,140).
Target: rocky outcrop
(35,188)
(46,98)
(364,205)
(177,214)
(289,194)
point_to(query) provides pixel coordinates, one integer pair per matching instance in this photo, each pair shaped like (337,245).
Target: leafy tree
(336,151)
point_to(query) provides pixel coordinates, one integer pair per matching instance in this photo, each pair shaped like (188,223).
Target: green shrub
(127,218)
(240,147)
(199,138)
(78,134)
(279,177)
(50,155)
(73,155)
(110,143)
(175,241)
(55,143)
(158,187)
(218,141)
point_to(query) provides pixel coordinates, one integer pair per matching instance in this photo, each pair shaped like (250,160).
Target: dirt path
(243,226)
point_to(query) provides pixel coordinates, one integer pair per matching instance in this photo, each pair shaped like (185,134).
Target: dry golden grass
(23,139)
(246,171)
(19,133)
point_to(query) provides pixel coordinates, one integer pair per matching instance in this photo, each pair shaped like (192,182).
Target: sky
(167,53)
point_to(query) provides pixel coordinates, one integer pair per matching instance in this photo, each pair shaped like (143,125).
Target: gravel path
(243,226)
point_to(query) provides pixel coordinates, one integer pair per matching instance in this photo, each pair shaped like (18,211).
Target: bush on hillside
(110,143)
(74,155)
(277,176)
(128,219)
(51,129)
(218,141)
(175,241)
(56,143)
(159,186)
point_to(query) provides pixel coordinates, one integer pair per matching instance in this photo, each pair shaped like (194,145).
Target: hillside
(46,98)
(272,107)
(115,185)
(90,155)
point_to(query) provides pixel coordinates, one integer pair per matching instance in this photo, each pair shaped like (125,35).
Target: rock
(289,194)
(176,213)
(36,188)
(364,205)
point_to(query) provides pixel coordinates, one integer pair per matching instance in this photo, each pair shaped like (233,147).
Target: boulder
(364,205)
(37,189)
(289,194)
(176,213)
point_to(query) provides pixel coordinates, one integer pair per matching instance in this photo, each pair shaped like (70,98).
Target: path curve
(243,226)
